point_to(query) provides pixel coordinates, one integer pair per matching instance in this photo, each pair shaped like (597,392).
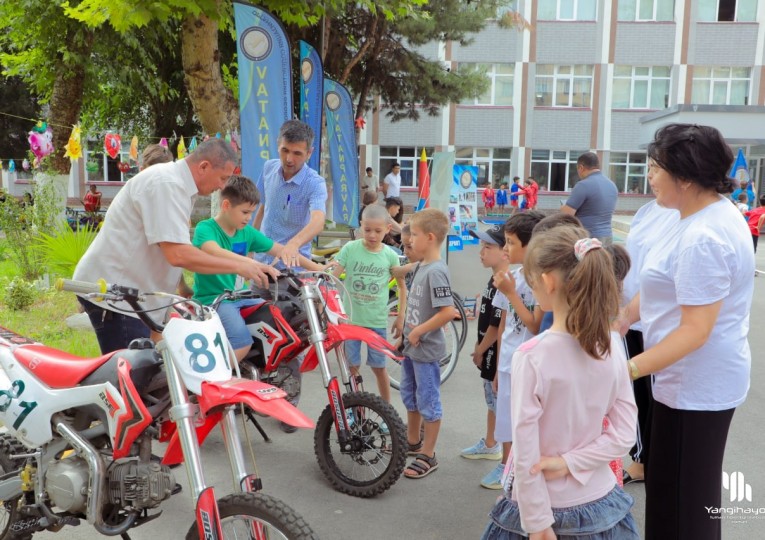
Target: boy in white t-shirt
(521,317)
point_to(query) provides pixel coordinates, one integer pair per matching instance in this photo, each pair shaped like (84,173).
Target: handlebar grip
(84,287)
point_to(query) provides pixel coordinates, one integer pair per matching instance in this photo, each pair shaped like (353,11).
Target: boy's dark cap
(495,235)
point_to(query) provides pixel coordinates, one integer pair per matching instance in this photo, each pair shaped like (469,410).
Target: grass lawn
(45,320)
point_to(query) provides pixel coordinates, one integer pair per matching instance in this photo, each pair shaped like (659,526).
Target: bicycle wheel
(447,363)
(461,323)
(376,455)
(241,512)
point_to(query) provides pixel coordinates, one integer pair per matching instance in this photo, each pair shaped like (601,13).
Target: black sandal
(414,448)
(421,467)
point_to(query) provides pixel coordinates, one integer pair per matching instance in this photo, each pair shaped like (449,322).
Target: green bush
(19,294)
(60,251)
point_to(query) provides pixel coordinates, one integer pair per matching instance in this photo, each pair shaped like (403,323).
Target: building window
(567,10)
(721,85)
(641,87)
(493,164)
(646,10)
(500,89)
(629,171)
(408,158)
(555,170)
(99,167)
(728,10)
(508,6)
(563,86)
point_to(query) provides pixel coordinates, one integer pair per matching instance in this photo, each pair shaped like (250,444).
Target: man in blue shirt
(293,196)
(593,199)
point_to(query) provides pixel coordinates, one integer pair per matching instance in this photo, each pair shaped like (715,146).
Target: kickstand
(251,418)
(125,536)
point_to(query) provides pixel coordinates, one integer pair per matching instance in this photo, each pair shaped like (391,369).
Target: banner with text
(462,202)
(343,156)
(265,84)
(311,95)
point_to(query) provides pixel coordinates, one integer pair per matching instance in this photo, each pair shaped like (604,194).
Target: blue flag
(265,84)
(311,96)
(740,170)
(343,155)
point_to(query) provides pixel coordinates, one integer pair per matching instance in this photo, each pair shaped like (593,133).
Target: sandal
(421,467)
(414,448)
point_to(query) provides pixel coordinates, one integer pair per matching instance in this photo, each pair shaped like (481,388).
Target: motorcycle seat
(55,368)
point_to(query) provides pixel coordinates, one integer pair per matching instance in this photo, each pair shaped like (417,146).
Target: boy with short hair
(230,235)
(367,264)
(429,308)
(521,317)
(485,353)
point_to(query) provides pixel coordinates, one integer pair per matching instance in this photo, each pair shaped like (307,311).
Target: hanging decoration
(123,166)
(360,123)
(74,145)
(236,140)
(163,142)
(134,148)
(11,166)
(181,148)
(40,141)
(112,145)
(193,145)
(25,164)
(91,166)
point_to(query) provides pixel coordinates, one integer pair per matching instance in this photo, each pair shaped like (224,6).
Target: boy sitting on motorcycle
(230,235)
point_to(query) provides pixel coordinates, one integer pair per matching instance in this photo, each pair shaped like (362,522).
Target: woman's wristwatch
(634,371)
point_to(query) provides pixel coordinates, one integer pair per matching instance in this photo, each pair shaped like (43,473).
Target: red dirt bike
(360,440)
(80,430)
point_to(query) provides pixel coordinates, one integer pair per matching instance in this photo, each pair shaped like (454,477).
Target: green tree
(51,53)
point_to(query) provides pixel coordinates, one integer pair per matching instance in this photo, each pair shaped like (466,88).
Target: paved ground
(450,503)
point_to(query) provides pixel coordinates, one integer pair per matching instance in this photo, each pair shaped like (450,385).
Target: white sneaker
(493,480)
(480,451)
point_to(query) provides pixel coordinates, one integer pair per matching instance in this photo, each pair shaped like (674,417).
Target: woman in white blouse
(694,299)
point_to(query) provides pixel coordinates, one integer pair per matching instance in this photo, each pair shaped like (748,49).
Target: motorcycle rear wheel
(239,511)
(380,454)
(8,511)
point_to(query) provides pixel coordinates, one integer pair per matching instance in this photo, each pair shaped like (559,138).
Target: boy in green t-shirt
(367,264)
(229,235)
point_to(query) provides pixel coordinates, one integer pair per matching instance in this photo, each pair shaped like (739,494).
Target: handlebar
(101,290)
(83,287)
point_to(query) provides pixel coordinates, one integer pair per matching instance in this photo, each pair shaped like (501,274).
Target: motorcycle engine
(67,484)
(139,485)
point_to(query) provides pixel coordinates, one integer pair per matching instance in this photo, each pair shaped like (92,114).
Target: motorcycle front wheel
(376,455)
(242,514)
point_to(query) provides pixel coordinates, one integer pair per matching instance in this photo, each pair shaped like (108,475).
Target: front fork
(183,413)
(311,295)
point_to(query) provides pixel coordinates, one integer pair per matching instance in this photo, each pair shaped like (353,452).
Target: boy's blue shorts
(421,388)
(375,358)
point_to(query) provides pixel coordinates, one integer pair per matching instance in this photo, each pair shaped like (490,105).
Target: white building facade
(599,75)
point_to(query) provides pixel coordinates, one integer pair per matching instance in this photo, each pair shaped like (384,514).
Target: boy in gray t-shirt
(429,308)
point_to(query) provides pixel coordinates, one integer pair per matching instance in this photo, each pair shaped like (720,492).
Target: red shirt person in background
(92,200)
(755,218)
(529,191)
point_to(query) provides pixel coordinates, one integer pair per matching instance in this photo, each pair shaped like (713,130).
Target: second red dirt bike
(360,440)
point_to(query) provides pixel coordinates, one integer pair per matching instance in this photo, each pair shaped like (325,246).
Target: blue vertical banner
(311,96)
(265,84)
(343,155)
(462,201)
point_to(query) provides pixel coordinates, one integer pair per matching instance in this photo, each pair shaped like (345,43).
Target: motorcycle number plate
(200,350)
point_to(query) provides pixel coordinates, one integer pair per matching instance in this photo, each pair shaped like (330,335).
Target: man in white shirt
(145,243)
(392,183)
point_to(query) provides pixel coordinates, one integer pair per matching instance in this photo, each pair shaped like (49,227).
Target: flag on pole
(265,84)
(740,170)
(423,176)
(311,96)
(343,153)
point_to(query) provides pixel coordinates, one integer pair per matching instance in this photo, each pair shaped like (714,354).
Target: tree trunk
(214,104)
(67,96)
